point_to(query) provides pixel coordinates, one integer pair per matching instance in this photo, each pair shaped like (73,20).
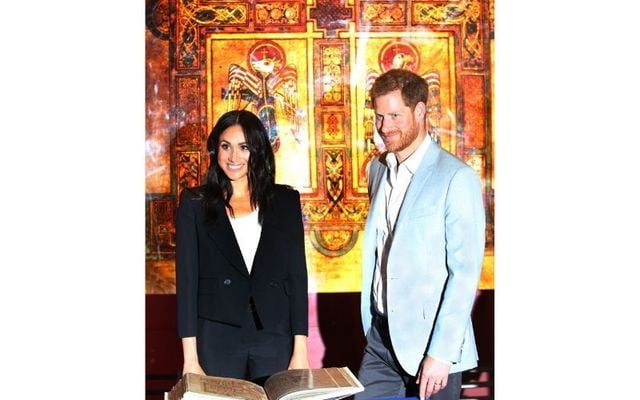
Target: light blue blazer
(434,261)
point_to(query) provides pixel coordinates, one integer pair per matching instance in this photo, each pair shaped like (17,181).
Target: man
(422,255)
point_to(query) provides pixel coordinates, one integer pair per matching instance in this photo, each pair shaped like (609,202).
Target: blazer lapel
(418,182)
(222,234)
(268,233)
(377,171)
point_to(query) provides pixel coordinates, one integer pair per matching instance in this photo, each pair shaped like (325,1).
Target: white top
(395,187)
(247,230)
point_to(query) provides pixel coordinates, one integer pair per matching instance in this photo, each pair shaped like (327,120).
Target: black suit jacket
(213,282)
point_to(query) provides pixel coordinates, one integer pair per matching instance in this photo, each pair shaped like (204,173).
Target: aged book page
(321,384)
(308,384)
(193,386)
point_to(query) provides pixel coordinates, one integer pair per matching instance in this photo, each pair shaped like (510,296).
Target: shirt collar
(413,161)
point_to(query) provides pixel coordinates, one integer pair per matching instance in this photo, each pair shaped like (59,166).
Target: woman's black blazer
(212,280)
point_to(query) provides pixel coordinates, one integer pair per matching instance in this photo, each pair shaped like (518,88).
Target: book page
(195,387)
(323,383)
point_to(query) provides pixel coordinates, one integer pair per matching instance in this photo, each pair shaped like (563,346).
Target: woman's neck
(241,188)
(241,200)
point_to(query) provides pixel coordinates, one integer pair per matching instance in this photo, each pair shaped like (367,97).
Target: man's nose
(384,126)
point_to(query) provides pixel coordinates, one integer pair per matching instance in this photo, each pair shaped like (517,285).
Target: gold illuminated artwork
(430,55)
(305,69)
(259,75)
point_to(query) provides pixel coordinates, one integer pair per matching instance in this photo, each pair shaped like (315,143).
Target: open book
(308,384)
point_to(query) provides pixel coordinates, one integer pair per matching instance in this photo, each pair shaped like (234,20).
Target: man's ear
(421,110)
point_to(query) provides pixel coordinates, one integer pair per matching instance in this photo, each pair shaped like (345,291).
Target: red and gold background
(310,64)
(305,68)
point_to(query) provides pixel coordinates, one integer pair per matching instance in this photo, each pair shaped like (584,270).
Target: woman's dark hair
(262,168)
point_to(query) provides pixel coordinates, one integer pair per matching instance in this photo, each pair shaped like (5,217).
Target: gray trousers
(381,375)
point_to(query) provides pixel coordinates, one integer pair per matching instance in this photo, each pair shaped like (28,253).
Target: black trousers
(246,352)
(382,376)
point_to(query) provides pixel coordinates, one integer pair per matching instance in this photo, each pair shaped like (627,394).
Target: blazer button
(227,282)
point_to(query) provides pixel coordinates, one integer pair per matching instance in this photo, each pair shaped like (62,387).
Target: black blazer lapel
(268,235)
(222,234)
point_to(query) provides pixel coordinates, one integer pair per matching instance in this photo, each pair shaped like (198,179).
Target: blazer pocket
(211,285)
(422,212)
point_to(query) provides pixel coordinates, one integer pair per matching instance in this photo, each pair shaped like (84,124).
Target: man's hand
(432,376)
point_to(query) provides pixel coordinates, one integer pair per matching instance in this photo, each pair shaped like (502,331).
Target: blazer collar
(222,234)
(419,181)
(378,170)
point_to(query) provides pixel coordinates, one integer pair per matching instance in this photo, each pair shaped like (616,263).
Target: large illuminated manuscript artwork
(269,82)
(305,68)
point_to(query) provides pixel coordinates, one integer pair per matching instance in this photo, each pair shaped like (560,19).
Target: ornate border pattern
(338,34)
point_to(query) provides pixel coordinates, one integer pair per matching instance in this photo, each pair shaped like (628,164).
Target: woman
(241,275)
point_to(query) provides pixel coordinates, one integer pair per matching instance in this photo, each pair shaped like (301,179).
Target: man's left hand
(432,376)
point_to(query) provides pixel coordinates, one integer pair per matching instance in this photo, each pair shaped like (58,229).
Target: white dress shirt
(394,188)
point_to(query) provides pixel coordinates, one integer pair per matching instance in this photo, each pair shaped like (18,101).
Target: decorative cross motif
(331,15)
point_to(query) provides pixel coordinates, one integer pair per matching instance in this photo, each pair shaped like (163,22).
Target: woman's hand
(191,367)
(299,358)
(190,350)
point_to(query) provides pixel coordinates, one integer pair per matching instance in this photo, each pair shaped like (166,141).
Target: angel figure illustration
(267,87)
